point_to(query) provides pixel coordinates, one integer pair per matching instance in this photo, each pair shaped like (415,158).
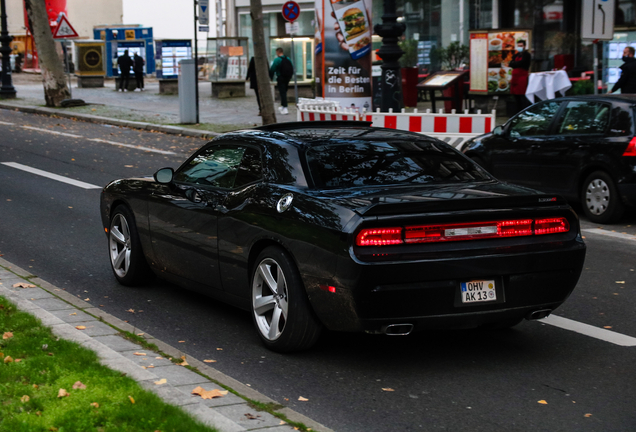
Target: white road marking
(132,146)
(591,331)
(52,132)
(608,233)
(51,175)
(7,123)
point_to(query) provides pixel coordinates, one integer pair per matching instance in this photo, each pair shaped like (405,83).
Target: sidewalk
(149,110)
(62,312)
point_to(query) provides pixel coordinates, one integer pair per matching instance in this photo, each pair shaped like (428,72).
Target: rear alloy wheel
(600,198)
(280,308)
(126,257)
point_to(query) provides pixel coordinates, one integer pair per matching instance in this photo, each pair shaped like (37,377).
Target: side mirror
(498,131)
(164,176)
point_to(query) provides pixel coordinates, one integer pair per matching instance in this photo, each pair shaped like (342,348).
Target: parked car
(581,147)
(348,227)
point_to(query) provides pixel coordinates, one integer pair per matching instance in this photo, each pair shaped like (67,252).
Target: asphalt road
(472,380)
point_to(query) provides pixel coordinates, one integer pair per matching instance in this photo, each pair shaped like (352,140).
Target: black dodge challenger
(348,227)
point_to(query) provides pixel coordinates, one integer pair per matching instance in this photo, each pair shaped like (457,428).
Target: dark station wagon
(583,148)
(348,227)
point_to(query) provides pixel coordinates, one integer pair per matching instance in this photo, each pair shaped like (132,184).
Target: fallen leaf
(209,394)
(607,327)
(128,166)
(1,355)
(79,385)
(181,341)
(95,404)
(161,381)
(159,358)
(140,334)
(542,402)
(35,386)
(251,416)
(620,282)
(219,349)
(184,362)
(23,285)
(62,393)
(140,354)
(150,367)
(86,299)
(8,359)
(132,400)
(24,398)
(388,389)
(131,310)
(282,423)
(7,335)
(18,360)
(588,415)
(302,399)
(74,313)
(209,361)
(38,413)
(80,327)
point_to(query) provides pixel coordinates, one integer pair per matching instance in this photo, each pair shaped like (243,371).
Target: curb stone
(227,415)
(174,130)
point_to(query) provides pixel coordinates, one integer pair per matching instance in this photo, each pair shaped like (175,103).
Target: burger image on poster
(352,19)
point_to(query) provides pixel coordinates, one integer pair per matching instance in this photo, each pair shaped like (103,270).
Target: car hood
(449,197)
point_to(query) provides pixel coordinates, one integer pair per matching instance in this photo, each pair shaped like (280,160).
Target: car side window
(215,166)
(250,169)
(534,121)
(584,117)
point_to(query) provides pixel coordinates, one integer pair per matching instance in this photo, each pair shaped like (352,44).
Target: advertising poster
(501,49)
(343,52)
(168,54)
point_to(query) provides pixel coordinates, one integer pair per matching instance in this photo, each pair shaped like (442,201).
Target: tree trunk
(262,67)
(55,90)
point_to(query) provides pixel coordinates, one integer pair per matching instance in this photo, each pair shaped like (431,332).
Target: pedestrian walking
(251,77)
(138,68)
(125,63)
(283,68)
(627,82)
(520,65)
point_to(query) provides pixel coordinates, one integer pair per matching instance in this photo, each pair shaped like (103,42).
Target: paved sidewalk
(62,312)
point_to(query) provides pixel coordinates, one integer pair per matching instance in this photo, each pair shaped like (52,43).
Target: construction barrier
(454,129)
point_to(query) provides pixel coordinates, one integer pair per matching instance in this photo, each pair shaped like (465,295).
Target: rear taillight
(551,226)
(379,237)
(461,231)
(631,148)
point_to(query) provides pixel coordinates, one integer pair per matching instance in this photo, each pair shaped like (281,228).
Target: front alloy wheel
(281,311)
(120,247)
(124,249)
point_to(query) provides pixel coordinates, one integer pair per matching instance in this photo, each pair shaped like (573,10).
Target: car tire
(282,315)
(600,198)
(124,249)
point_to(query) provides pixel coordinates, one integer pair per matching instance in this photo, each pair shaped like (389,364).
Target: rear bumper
(426,293)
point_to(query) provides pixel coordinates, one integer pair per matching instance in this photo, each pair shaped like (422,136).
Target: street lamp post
(390,52)
(7,91)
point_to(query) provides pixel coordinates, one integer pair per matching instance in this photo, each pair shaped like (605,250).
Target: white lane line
(7,123)
(609,233)
(132,146)
(52,132)
(591,331)
(51,175)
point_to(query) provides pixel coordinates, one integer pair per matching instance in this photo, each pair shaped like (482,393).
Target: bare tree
(262,68)
(55,90)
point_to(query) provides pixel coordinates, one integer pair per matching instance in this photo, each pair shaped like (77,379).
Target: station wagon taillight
(461,231)
(631,148)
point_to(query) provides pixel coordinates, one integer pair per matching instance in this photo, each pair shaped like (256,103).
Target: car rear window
(363,163)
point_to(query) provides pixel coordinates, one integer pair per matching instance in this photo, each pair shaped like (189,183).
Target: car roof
(307,134)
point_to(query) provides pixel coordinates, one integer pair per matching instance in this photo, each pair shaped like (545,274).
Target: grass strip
(35,366)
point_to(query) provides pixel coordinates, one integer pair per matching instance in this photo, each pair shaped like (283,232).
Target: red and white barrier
(455,129)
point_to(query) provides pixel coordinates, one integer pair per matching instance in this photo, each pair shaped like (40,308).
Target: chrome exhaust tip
(398,329)
(539,314)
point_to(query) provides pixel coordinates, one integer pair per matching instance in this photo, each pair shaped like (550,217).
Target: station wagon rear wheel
(281,311)
(124,249)
(600,198)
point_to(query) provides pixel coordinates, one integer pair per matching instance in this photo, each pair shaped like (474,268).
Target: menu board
(440,79)
(492,59)
(479,62)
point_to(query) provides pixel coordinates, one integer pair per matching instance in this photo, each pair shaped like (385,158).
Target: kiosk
(90,65)
(227,66)
(168,54)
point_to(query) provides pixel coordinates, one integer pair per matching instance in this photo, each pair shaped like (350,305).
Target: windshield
(364,163)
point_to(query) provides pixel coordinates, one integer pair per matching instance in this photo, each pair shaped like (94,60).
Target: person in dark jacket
(251,76)
(520,65)
(282,80)
(138,68)
(125,63)
(627,82)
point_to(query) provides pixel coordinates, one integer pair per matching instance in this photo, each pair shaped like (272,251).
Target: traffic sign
(291,11)
(598,20)
(204,12)
(64,29)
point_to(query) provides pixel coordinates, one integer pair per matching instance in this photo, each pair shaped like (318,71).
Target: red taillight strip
(461,231)
(631,148)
